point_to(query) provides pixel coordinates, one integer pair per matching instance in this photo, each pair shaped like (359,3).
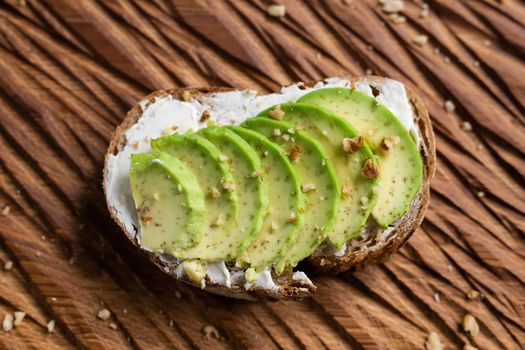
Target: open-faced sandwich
(229,190)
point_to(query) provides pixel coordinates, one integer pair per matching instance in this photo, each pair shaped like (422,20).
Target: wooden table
(69,71)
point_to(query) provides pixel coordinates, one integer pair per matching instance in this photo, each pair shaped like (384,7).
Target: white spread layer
(166,114)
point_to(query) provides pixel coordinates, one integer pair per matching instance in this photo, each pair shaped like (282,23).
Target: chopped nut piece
(210,332)
(290,131)
(204,116)
(273,227)
(135,144)
(277,113)
(352,145)
(186,95)
(420,40)
(286,137)
(346,190)
(476,63)
(370,132)
(437,297)
(308,187)
(376,189)
(473,294)
(433,342)
(276,132)
(6,210)
(229,186)
(470,325)
(446,59)
(256,173)
(423,14)
(395,139)
(19,317)
(223,158)
(113,326)
(450,107)
(469,347)
(8,265)
(466,126)
(368,72)
(104,314)
(179,187)
(50,326)
(386,144)
(480,194)
(7,323)
(364,200)
(219,221)
(291,219)
(295,153)
(396,18)
(393,6)
(370,169)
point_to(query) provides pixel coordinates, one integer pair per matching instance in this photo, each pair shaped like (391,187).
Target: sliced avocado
(169,202)
(400,164)
(285,213)
(318,181)
(214,178)
(243,162)
(357,190)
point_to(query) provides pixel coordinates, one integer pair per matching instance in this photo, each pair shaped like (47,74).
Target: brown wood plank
(70,70)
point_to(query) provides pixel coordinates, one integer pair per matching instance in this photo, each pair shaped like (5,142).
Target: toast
(374,245)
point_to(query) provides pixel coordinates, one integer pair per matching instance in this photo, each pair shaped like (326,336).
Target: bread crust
(289,288)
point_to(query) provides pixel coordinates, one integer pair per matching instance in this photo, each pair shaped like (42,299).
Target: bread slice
(373,247)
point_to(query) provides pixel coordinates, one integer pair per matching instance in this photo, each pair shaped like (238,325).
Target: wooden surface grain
(69,70)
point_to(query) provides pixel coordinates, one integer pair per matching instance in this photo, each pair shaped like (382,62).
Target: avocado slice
(214,178)
(318,182)
(401,169)
(242,161)
(169,202)
(357,190)
(285,214)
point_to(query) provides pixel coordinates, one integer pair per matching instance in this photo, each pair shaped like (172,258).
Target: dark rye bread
(290,288)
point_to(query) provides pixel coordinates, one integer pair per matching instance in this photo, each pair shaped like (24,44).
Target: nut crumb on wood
(466,126)
(469,347)
(370,169)
(7,323)
(104,314)
(352,145)
(470,325)
(8,265)
(50,326)
(392,6)
(19,317)
(437,297)
(210,332)
(433,342)
(276,10)
(113,326)
(450,107)
(420,40)
(6,210)
(480,194)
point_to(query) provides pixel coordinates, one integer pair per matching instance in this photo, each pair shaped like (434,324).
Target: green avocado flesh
(214,178)
(243,162)
(169,202)
(357,191)
(285,212)
(318,182)
(401,170)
